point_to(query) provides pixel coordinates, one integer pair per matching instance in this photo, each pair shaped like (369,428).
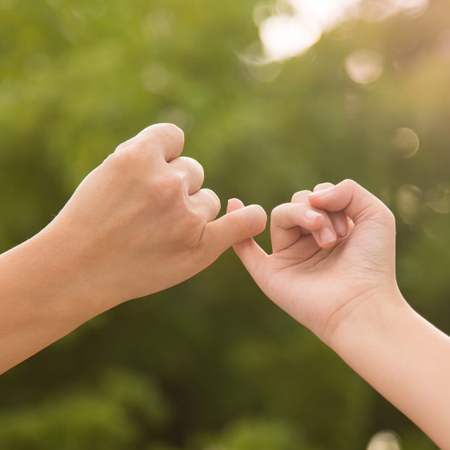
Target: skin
(138,224)
(345,291)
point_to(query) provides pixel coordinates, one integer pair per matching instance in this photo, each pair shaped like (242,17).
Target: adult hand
(141,222)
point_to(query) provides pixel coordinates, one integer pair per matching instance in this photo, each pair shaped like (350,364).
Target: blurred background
(274,97)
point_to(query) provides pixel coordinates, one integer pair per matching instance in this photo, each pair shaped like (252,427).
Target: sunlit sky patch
(287,35)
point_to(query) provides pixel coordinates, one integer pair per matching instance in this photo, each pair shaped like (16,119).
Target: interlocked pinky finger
(326,236)
(338,219)
(288,219)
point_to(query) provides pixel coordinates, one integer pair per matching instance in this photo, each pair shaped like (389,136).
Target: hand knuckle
(194,165)
(238,221)
(133,152)
(276,212)
(121,147)
(172,181)
(198,166)
(213,199)
(171,130)
(125,145)
(109,158)
(279,211)
(122,160)
(348,183)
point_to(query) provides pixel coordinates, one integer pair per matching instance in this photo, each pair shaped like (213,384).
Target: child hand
(317,278)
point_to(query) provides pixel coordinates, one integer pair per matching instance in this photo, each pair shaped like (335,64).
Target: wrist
(41,301)
(364,319)
(61,267)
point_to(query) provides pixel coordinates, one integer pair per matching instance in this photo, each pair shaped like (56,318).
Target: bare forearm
(137,224)
(38,300)
(403,357)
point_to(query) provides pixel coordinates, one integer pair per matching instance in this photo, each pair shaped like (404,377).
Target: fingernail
(321,193)
(340,227)
(327,236)
(312,215)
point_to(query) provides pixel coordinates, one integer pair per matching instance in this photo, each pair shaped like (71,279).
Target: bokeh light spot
(384,440)
(408,199)
(284,36)
(438,199)
(377,10)
(406,142)
(364,66)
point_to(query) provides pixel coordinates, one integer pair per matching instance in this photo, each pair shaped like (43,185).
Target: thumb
(237,229)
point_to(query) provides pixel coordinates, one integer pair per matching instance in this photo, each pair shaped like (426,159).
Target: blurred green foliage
(211,364)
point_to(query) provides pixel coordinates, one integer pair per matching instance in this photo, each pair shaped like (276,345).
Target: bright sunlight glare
(284,36)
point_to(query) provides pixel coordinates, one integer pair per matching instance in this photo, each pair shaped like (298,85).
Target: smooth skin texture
(346,293)
(138,224)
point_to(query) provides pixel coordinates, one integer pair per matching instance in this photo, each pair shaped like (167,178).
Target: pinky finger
(340,223)
(288,220)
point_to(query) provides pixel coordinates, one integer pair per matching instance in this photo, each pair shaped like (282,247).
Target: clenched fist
(141,222)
